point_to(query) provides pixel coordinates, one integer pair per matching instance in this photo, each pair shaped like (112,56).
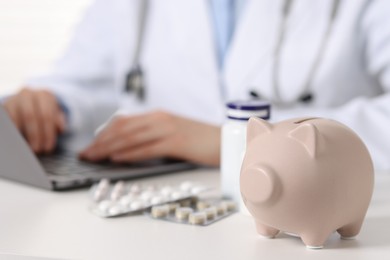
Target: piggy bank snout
(258,184)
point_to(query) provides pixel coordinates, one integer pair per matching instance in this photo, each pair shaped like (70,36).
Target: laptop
(62,170)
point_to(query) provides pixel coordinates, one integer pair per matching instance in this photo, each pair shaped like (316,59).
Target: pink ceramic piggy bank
(307,176)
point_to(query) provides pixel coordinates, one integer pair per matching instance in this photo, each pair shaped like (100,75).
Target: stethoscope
(306,95)
(135,78)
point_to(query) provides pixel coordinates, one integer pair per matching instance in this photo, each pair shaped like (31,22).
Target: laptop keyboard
(68,164)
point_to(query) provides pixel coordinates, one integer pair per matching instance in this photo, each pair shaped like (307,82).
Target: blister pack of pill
(194,212)
(111,200)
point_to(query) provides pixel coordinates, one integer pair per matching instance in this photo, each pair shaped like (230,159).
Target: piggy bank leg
(350,231)
(266,231)
(315,240)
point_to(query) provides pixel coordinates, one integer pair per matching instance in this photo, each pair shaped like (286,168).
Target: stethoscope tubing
(305,92)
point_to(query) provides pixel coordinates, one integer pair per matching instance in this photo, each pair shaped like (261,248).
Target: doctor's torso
(180,64)
(179,57)
(182,74)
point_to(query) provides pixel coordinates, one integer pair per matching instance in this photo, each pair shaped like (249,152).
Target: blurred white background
(32,34)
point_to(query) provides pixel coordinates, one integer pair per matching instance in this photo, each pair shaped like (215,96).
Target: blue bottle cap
(243,110)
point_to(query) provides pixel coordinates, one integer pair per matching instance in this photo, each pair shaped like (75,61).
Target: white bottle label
(232,154)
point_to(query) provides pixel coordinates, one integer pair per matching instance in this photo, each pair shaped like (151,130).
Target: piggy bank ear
(257,126)
(308,136)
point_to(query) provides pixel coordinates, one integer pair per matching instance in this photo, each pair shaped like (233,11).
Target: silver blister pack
(193,211)
(121,198)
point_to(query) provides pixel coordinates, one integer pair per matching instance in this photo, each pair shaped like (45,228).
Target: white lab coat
(179,59)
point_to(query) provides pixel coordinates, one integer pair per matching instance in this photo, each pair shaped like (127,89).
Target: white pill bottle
(233,144)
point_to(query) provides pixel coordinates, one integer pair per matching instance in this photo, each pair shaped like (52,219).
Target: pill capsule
(230,205)
(211,213)
(197,218)
(119,186)
(160,211)
(118,190)
(103,183)
(101,190)
(200,205)
(99,194)
(115,196)
(183,213)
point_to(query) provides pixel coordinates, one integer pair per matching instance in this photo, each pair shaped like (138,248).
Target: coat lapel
(195,32)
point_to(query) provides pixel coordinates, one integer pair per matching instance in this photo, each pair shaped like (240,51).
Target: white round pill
(197,189)
(197,218)
(137,205)
(115,210)
(166,191)
(177,195)
(183,213)
(135,188)
(126,200)
(186,186)
(105,205)
(157,200)
(146,195)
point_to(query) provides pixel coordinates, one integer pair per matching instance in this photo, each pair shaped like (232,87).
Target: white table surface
(59,225)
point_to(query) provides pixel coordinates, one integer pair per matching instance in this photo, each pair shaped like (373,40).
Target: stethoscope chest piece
(307,98)
(135,83)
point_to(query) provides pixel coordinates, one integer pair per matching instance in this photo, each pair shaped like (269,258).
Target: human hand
(154,135)
(37,115)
